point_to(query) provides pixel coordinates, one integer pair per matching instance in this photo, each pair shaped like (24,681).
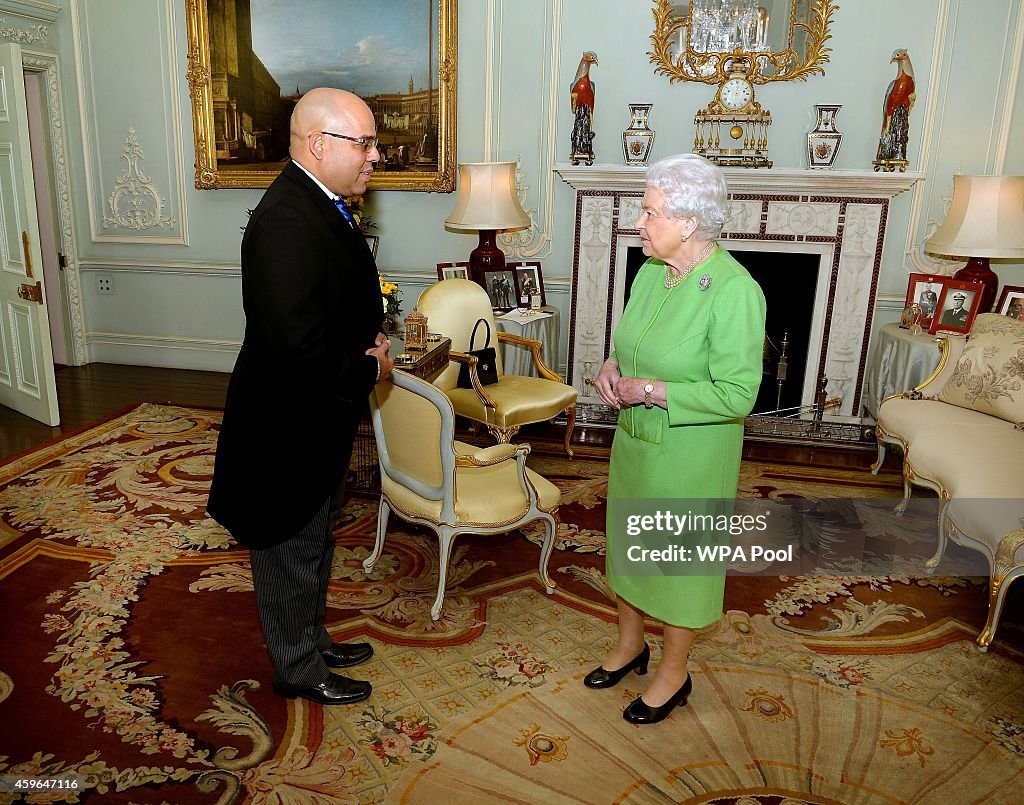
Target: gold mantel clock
(733,128)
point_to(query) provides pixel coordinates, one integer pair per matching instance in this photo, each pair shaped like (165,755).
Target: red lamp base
(977,270)
(485,257)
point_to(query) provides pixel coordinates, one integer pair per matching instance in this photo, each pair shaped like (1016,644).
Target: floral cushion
(989,377)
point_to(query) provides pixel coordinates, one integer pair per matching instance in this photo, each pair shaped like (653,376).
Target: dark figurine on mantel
(581,101)
(899,100)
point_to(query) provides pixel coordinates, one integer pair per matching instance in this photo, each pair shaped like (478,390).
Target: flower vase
(638,138)
(824,141)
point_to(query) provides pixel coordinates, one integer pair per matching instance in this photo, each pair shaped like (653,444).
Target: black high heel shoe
(601,678)
(639,712)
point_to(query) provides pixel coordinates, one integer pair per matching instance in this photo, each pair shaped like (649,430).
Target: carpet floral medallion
(133,663)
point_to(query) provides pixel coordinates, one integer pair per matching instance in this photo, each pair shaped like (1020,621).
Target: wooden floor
(86,394)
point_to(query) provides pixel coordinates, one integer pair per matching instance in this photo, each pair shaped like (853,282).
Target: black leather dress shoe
(336,690)
(343,655)
(639,712)
(600,678)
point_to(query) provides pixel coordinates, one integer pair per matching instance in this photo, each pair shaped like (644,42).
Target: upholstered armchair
(448,486)
(453,307)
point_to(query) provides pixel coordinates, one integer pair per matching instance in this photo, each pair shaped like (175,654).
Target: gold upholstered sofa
(962,435)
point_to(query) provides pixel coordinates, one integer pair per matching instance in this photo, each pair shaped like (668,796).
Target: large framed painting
(249,61)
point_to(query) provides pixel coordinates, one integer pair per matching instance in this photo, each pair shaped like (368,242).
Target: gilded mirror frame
(710,67)
(211,175)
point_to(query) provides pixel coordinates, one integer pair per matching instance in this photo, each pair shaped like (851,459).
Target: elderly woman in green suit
(684,373)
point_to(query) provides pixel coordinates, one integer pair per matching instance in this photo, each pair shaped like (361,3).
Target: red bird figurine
(899,100)
(581,101)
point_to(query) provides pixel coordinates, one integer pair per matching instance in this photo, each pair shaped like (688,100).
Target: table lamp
(986,219)
(487,202)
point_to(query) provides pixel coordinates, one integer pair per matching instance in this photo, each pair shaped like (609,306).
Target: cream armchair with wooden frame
(448,486)
(453,307)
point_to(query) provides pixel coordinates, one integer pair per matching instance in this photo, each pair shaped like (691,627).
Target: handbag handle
(472,337)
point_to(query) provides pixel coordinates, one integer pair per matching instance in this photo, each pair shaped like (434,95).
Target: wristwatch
(648,391)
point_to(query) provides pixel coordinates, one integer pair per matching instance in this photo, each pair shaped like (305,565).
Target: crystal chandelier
(721,26)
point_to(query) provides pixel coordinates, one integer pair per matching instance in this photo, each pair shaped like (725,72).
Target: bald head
(343,166)
(325,109)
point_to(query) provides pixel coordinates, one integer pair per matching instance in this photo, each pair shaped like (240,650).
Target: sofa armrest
(952,347)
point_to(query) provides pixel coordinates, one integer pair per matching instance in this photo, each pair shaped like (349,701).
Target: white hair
(692,186)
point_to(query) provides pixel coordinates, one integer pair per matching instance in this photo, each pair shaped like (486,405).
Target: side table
(899,362)
(426,364)
(519,361)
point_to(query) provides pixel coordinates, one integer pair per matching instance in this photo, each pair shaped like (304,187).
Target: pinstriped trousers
(290,580)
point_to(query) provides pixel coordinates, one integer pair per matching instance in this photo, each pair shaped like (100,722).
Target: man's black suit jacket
(312,306)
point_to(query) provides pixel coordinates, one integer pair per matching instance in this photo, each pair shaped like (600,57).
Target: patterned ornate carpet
(132,658)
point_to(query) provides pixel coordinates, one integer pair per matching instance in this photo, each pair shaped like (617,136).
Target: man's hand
(380,352)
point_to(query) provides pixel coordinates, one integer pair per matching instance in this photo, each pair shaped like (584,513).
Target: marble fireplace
(839,217)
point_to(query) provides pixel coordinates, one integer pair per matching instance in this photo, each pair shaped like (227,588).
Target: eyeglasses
(366,143)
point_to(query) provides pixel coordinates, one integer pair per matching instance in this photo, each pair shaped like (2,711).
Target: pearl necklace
(672,280)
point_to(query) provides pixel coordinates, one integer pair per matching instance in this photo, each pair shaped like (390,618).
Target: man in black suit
(312,351)
(956,316)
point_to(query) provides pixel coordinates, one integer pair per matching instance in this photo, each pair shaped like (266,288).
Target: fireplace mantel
(839,215)
(746,180)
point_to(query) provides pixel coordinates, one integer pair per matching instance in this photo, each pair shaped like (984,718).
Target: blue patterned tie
(345,212)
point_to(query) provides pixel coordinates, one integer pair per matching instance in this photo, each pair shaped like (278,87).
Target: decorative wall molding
(938,105)
(535,241)
(93,129)
(165,267)
(23,36)
(135,203)
(743,180)
(174,352)
(31,9)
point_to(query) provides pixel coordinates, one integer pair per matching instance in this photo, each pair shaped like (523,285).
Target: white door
(26,362)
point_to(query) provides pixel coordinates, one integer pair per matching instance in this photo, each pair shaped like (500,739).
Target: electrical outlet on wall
(104,284)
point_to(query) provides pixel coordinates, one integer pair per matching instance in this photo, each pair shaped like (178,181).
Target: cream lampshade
(487,201)
(986,219)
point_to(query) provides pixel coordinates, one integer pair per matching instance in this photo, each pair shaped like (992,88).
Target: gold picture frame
(235,148)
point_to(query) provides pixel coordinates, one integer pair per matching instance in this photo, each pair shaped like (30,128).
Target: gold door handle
(31,293)
(28,254)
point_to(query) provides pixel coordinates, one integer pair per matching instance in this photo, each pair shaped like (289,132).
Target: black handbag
(487,365)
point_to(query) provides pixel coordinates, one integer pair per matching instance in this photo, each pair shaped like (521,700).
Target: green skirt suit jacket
(705,339)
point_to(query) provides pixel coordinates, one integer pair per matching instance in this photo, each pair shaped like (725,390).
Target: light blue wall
(176,299)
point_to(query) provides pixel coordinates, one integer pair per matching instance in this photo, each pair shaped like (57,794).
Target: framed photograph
(249,61)
(450,271)
(925,290)
(500,285)
(529,279)
(1011,302)
(958,306)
